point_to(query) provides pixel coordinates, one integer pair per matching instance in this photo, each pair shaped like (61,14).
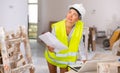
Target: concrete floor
(38,55)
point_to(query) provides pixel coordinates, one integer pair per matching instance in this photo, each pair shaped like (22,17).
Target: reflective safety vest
(68,55)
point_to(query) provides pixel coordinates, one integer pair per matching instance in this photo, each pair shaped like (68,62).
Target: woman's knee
(52,68)
(63,70)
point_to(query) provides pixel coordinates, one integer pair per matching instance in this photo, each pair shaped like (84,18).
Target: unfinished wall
(13,13)
(104,14)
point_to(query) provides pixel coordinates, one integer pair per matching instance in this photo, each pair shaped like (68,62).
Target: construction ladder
(15,52)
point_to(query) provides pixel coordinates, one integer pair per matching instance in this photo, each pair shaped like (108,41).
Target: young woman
(69,32)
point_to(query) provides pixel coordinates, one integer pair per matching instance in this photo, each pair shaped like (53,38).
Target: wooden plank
(20,62)
(6,63)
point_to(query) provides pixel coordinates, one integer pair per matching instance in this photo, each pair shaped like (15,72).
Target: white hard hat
(79,8)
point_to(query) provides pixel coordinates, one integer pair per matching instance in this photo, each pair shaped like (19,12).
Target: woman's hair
(80,16)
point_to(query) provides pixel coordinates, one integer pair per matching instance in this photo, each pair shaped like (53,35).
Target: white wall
(13,13)
(51,10)
(104,14)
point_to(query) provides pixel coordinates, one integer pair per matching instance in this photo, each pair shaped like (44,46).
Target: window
(33,18)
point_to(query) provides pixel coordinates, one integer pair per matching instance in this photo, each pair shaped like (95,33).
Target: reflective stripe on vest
(61,62)
(67,54)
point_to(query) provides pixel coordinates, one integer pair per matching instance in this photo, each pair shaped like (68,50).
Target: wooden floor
(38,55)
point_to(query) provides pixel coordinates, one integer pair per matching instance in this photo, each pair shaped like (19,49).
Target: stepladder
(15,51)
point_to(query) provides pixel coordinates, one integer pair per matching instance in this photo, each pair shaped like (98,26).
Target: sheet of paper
(52,41)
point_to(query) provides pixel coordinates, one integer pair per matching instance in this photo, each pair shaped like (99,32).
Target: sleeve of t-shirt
(82,52)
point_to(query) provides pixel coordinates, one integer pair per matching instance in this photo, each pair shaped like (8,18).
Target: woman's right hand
(51,49)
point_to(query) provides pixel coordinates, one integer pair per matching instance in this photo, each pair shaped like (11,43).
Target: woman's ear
(80,17)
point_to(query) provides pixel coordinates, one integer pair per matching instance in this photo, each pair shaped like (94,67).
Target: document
(49,39)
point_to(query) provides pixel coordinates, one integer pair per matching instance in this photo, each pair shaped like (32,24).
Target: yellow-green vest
(68,55)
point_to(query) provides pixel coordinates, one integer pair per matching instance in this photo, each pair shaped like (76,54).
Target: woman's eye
(69,12)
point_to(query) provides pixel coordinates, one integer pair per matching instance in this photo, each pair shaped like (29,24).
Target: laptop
(91,66)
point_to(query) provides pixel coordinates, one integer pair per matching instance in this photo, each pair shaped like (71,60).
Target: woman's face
(72,16)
